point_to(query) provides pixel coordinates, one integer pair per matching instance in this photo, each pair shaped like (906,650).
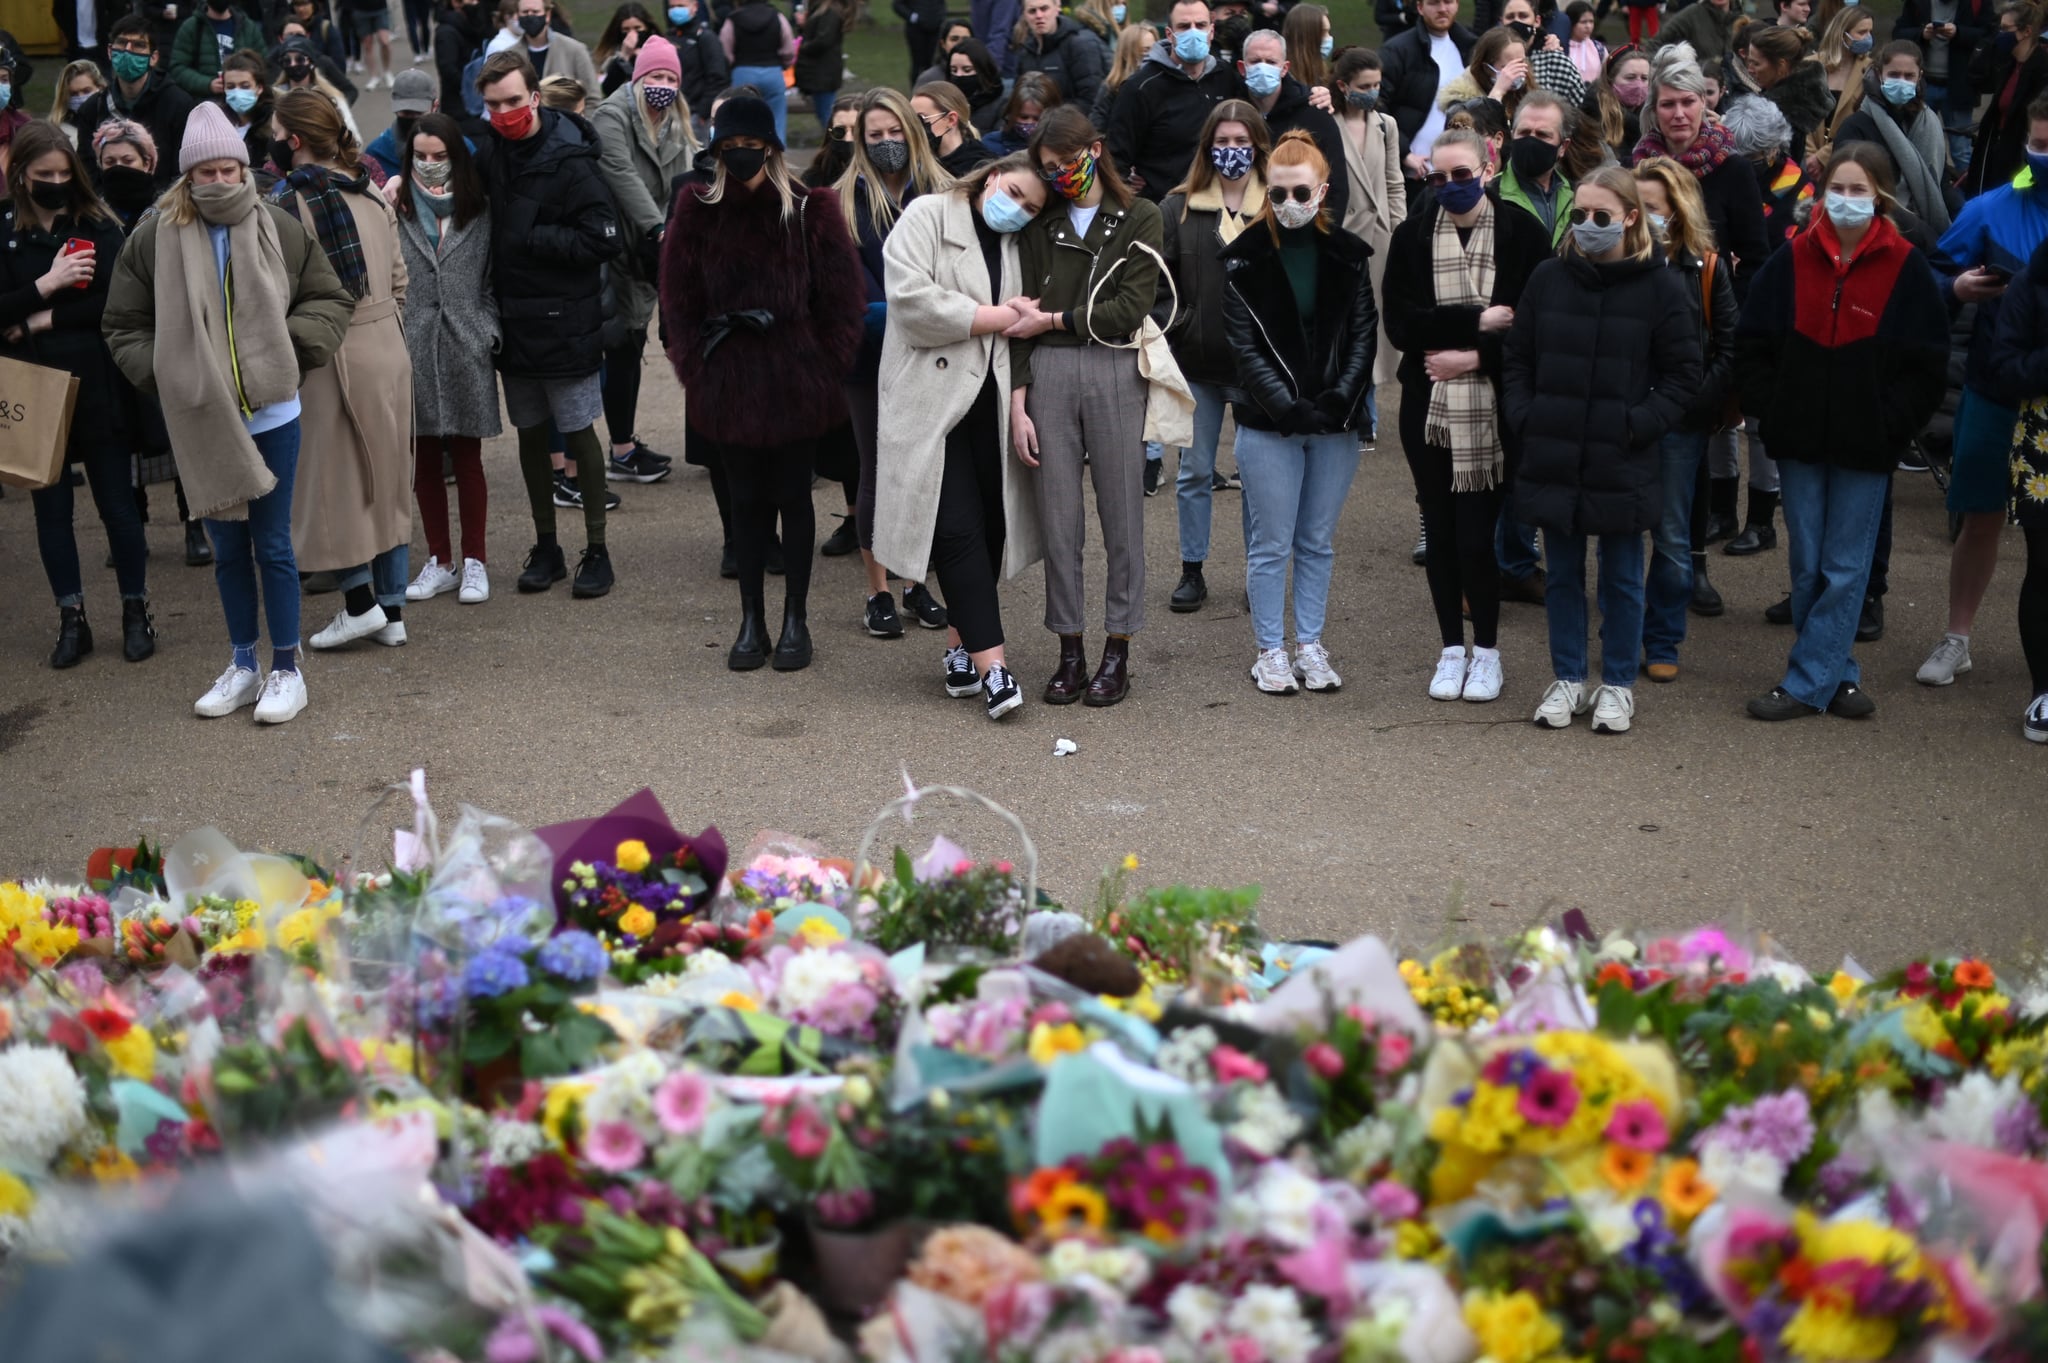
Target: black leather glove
(1302,418)
(1334,411)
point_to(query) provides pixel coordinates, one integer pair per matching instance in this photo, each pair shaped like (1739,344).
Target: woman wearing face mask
(1132,46)
(352,508)
(1378,202)
(951,35)
(76,85)
(1499,72)
(1033,94)
(949,124)
(1619,95)
(1676,124)
(889,169)
(1306,32)
(618,47)
(298,68)
(245,94)
(1845,50)
(1224,193)
(451,330)
(50,307)
(1678,565)
(838,454)
(1838,441)
(971,68)
(1077,397)
(948,497)
(219,304)
(2013,69)
(762,391)
(1455,274)
(1299,317)
(1602,361)
(1519,17)
(1895,117)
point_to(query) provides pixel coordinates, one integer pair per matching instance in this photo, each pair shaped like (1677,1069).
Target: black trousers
(766,483)
(622,385)
(967,541)
(923,42)
(2034,607)
(1459,526)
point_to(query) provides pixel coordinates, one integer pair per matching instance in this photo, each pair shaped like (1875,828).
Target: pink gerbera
(614,1147)
(808,1133)
(682,1101)
(1639,1125)
(1549,1098)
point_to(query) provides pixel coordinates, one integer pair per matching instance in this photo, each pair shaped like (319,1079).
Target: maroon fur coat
(785,384)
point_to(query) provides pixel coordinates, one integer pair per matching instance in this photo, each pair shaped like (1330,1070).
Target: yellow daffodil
(133,1053)
(1512,1327)
(1844,987)
(112,1166)
(817,932)
(1049,1042)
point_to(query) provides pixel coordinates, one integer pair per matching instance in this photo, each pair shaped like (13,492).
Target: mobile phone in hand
(78,246)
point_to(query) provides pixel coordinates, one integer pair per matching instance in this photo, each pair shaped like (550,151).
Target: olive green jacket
(1062,268)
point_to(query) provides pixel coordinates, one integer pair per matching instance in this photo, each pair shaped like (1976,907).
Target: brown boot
(1113,679)
(1071,680)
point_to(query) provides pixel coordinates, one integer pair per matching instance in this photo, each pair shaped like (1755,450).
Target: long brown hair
(312,118)
(1298,148)
(1486,53)
(1201,170)
(947,96)
(32,142)
(1689,230)
(465,186)
(1302,30)
(1065,131)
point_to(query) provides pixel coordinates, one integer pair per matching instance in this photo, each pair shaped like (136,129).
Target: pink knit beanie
(210,137)
(657,54)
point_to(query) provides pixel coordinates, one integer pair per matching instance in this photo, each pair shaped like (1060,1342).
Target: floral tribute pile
(663,1101)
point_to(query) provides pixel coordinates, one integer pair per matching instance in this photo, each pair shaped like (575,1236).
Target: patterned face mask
(1074,178)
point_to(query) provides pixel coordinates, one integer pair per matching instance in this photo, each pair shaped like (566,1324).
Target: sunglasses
(1301,194)
(1600,216)
(840,132)
(1437,179)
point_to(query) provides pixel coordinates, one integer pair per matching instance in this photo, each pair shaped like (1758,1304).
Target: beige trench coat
(1378,203)
(353,499)
(932,370)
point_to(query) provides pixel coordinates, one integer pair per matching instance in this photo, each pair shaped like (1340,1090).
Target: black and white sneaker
(569,495)
(1219,481)
(962,680)
(642,465)
(882,620)
(999,691)
(1419,555)
(2034,724)
(921,603)
(1155,473)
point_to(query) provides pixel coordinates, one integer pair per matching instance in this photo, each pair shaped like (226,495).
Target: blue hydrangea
(574,955)
(495,972)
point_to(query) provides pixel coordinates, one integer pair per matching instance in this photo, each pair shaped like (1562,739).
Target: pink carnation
(1392,1201)
(1232,1065)
(512,1343)
(614,1147)
(1324,1059)
(1395,1050)
(682,1101)
(808,1133)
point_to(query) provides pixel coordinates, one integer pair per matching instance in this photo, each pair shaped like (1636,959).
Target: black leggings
(967,541)
(2034,607)
(1459,526)
(765,483)
(622,385)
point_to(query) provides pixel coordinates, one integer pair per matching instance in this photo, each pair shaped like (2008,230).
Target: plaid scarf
(1463,414)
(1714,145)
(320,190)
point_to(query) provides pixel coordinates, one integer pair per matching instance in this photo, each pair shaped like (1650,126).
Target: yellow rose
(1048,1043)
(563,1100)
(133,1053)
(816,932)
(1512,1327)
(632,856)
(638,921)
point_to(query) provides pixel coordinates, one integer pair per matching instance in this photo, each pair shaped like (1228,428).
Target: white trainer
(1449,681)
(346,629)
(392,635)
(236,687)
(1272,672)
(1312,665)
(1613,708)
(434,579)
(284,695)
(1950,659)
(1563,700)
(476,582)
(1483,679)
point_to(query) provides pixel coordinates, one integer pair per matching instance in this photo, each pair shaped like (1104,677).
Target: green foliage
(1171,929)
(265,1091)
(981,908)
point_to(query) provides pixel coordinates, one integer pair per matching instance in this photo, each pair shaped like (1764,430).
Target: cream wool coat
(1378,203)
(932,370)
(353,499)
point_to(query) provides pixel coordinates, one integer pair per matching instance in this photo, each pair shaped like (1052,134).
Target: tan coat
(1378,203)
(353,499)
(932,370)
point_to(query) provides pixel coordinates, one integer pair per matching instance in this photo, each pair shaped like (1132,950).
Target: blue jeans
(1669,592)
(1294,488)
(110,475)
(261,546)
(1514,544)
(1831,520)
(1197,468)
(768,80)
(1955,121)
(1621,607)
(387,572)
(1372,409)
(821,105)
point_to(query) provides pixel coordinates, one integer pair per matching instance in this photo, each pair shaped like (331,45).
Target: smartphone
(74,247)
(1997,272)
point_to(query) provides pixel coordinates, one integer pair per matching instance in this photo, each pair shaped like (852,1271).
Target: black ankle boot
(750,650)
(1706,598)
(1192,590)
(793,649)
(74,637)
(138,631)
(198,551)
(1722,522)
(1759,534)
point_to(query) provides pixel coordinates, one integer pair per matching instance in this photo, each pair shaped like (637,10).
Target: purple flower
(2018,1130)
(845,1209)
(1780,1125)
(166,1144)
(574,955)
(495,972)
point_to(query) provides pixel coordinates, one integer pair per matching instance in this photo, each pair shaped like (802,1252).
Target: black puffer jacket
(1717,373)
(1297,375)
(1408,85)
(1071,56)
(1805,100)
(1602,360)
(1193,254)
(1291,110)
(553,227)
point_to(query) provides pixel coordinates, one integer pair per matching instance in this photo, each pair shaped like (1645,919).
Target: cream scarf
(1229,224)
(1464,416)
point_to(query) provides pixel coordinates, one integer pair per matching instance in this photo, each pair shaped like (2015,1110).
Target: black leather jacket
(1296,375)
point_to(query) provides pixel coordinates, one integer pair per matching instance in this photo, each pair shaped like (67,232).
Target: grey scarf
(1921,158)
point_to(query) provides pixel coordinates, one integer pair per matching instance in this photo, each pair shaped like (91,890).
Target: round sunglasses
(1600,216)
(1301,194)
(1437,179)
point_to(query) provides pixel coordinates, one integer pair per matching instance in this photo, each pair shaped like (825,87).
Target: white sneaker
(434,579)
(236,687)
(1273,673)
(1483,679)
(1449,681)
(284,695)
(1563,700)
(1950,659)
(1312,665)
(476,582)
(1613,707)
(346,629)
(392,635)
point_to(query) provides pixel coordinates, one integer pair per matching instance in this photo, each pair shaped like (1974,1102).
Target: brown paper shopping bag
(35,422)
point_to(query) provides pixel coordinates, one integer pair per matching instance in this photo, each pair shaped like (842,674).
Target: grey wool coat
(932,370)
(451,327)
(638,169)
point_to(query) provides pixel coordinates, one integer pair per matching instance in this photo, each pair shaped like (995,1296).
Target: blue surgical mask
(1461,196)
(6,94)
(76,102)
(1003,213)
(241,101)
(1859,46)
(1191,44)
(1594,240)
(1659,224)
(1262,78)
(1232,163)
(1117,12)
(679,15)
(1844,211)
(1329,45)
(1898,93)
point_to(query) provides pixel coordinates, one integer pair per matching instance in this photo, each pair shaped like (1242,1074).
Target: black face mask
(533,25)
(127,188)
(1526,32)
(744,163)
(49,194)
(1531,157)
(281,157)
(831,161)
(294,72)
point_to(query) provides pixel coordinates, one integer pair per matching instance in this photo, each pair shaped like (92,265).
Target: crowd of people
(1605,282)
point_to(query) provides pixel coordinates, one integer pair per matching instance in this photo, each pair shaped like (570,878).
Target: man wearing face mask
(140,92)
(412,98)
(1530,178)
(552,53)
(205,40)
(1157,119)
(1284,103)
(458,38)
(700,56)
(553,229)
(1416,67)
(1063,50)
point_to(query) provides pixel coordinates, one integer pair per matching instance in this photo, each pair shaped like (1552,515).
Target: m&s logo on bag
(11,412)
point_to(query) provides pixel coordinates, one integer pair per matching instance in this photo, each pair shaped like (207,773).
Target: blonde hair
(1132,45)
(947,96)
(1834,43)
(176,207)
(777,169)
(565,92)
(1689,229)
(677,115)
(58,107)
(1298,148)
(1638,242)
(925,172)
